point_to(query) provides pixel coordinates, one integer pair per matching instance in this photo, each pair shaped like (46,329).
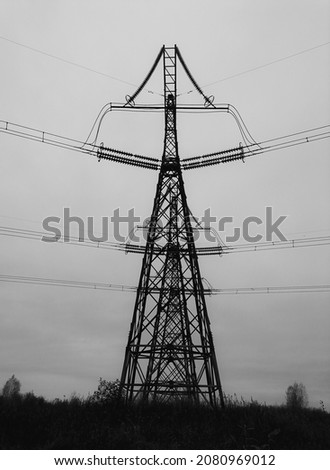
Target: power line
(242,152)
(120,156)
(258,67)
(127,247)
(65,283)
(84,67)
(75,64)
(89,69)
(272,290)
(50,238)
(100,151)
(265,246)
(126,288)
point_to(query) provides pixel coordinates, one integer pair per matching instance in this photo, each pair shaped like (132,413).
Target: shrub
(107,391)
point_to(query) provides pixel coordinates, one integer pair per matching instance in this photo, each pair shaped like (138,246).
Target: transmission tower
(170,352)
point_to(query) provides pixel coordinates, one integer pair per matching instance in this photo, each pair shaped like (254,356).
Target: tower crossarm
(241,152)
(99,151)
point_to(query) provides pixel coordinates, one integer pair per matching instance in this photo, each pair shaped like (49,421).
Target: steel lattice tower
(170,351)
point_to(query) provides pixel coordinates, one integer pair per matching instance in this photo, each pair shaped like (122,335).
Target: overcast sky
(58,340)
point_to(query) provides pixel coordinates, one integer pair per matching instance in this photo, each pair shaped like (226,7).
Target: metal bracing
(170,352)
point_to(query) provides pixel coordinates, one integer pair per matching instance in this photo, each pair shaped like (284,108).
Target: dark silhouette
(296,396)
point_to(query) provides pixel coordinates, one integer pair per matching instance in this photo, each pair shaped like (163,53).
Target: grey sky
(60,340)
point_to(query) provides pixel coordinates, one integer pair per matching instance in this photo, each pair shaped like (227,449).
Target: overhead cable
(66,61)
(140,249)
(258,67)
(322,288)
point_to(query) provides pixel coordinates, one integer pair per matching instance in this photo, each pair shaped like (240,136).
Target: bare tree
(296,396)
(12,387)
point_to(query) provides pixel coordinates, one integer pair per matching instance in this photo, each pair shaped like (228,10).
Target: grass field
(29,422)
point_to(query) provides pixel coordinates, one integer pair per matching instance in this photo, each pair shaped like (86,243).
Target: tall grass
(29,422)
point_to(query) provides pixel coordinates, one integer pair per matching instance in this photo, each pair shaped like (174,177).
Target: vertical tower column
(170,351)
